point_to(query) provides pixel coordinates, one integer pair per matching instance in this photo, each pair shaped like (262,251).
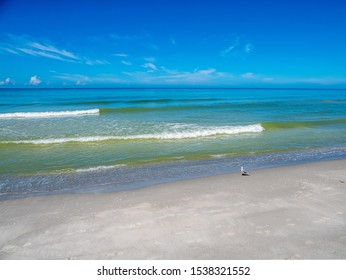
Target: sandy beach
(294,212)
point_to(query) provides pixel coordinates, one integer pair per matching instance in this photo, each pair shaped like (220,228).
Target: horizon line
(177,87)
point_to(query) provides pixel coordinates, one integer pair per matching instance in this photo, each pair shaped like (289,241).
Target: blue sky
(205,43)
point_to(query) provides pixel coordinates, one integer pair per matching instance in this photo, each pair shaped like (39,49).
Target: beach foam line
(99,168)
(187,134)
(24,115)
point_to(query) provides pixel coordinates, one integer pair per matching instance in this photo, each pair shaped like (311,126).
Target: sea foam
(183,134)
(99,168)
(24,115)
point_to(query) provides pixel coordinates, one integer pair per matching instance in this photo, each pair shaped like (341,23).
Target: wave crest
(99,168)
(183,134)
(24,115)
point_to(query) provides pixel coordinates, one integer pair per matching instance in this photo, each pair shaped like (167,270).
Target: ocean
(96,140)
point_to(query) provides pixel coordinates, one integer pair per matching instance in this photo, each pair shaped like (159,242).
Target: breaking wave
(99,168)
(24,115)
(182,134)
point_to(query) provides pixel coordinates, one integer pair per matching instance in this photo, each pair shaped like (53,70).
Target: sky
(180,43)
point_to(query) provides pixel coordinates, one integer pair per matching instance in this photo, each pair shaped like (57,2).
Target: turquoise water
(62,139)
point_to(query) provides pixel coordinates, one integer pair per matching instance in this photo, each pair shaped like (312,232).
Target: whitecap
(99,168)
(53,114)
(198,132)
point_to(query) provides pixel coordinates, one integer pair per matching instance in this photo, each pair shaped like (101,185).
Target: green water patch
(300,124)
(69,157)
(37,168)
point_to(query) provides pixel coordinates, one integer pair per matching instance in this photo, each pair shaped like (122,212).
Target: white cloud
(121,54)
(9,50)
(150,59)
(7,81)
(166,76)
(197,77)
(230,48)
(25,45)
(248,75)
(79,79)
(169,71)
(200,77)
(40,53)
(150,66)
(206,72)
(52,49)
(238,47)
(95,61)
(81,82)
(20,45)
(34,81)
(125,62)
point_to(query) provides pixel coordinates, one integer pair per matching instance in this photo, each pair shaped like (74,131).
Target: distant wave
(24,115)
(182,134)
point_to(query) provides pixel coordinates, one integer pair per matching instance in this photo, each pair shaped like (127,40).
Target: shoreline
(128,178)
(290,212)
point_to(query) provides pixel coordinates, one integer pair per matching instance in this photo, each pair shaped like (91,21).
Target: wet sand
(295,212)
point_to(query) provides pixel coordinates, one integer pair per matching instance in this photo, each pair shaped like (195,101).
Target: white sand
(296,212)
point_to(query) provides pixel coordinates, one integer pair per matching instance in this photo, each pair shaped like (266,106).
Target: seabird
(244,172)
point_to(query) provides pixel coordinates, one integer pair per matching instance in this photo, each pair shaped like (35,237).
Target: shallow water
(60,139)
